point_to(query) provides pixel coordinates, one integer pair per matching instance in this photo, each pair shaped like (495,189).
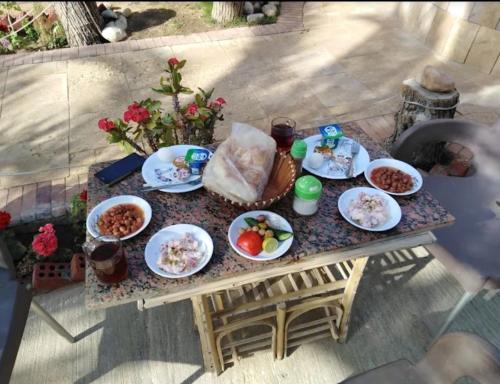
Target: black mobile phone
(120,169)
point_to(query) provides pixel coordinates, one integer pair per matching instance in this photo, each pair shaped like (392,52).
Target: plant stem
(151,141)
(133,144)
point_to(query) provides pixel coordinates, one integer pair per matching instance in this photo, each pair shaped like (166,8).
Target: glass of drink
(283,131)
(106,256)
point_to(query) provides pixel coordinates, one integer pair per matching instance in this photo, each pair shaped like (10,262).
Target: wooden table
(320,240)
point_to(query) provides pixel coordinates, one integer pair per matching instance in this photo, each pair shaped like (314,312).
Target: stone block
(461,38)
(425,18)
(485,13)
(461,9)
(439,31)
(438,170)
(485,50)
(458,168)
(441,4)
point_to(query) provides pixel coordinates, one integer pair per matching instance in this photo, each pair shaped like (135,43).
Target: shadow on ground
(139,21)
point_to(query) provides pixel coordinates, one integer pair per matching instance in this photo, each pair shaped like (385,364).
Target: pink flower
(173,61)
(45,243)
(105,124)
(47,228)
(192,109)
(4,219)
(220,101)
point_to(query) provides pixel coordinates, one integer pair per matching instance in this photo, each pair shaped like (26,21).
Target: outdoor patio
(346,64)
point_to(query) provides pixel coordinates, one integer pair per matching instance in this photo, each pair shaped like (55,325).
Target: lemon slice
(270,244)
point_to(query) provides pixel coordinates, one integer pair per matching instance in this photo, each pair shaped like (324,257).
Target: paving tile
(460,41)
(485,50)
(43,200)
(14,203)
(58,197)
(28,210)
(3,198)
(439,31)
(485,13)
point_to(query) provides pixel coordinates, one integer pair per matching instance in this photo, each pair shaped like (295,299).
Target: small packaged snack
(197,159)
(179,162)
(331,134)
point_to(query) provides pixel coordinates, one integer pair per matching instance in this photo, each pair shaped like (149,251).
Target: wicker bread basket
(281,181)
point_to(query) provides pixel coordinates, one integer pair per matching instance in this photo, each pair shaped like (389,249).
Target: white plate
(172,232)
(276,221)
(351,194)
(402,166)
(153,162)
(99,209)
(361,160)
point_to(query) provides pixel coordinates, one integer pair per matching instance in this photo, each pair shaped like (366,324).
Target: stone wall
(465,32)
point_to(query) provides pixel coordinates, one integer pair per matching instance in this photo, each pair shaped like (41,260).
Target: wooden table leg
(349,293)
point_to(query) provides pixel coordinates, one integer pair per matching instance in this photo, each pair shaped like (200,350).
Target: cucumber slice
(281,235)
(251,221)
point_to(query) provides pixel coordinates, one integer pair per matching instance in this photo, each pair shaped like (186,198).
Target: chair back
(460,354)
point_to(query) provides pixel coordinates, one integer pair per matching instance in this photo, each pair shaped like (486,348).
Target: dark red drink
(109,262)
(282,131)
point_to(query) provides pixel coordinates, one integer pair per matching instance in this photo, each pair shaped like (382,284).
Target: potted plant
(145,126)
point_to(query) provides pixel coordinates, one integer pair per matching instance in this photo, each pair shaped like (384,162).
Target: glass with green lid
(307,194)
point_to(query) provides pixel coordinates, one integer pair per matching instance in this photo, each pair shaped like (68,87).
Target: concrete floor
(398,308)
(347,65)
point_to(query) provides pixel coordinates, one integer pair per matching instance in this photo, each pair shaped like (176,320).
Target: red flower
(173,61)
(136,113)
(4,219)
(45,243)
(105,124)
(192,109)
(83,195)
(220,101)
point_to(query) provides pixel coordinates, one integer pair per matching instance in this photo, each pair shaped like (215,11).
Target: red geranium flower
(83,195)
(45,243)
(105,124)
(192,109)
(4,219)
(173,61)
(220,101)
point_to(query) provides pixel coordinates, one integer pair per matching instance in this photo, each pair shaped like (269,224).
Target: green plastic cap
(308,188)
(299,149)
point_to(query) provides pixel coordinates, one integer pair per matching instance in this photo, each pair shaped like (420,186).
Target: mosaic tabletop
(326,231)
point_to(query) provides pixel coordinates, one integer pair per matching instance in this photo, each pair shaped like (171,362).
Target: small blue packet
(331,135)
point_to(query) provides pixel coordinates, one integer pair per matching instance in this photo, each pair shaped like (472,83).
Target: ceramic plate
(394,209)
(402,166)
(152,165)
(173,232)
(336,170)
(276,221)
(99,209)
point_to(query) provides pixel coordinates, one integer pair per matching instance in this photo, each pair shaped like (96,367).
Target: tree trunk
(226,11)
(80,20)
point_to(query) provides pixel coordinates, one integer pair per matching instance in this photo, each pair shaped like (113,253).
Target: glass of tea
(283,132)
(106,256)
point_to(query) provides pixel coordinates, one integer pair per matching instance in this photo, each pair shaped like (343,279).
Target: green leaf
(168,119)
(185,90)
(181,64)
(198,99)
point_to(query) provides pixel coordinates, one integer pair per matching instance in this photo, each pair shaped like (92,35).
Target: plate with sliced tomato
(260,235)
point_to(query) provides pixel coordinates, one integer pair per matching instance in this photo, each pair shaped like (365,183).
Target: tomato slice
(250,242)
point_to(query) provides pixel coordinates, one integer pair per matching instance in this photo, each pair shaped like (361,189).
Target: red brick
(47,275)
(73,53)
(14,203)
(78,267)
(38,57)
(100,49)
(458,168)
(65,54)
(28,210)
(438,170)
(133,45)
(19,59)
(28,59)
(108,47)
